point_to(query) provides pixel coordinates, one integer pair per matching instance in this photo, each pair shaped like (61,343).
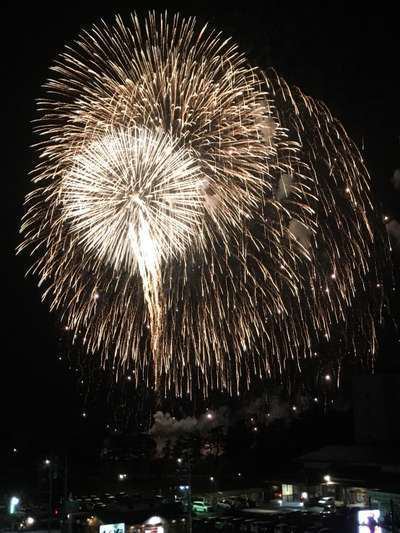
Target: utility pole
(50,467)
(189,499)
(65,479)
(392,516)
(185,484)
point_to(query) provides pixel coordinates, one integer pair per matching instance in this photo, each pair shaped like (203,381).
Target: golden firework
(197,220)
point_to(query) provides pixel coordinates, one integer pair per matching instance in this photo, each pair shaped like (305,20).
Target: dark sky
(349,59)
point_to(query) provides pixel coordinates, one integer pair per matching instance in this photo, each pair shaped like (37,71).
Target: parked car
(327,501)
(224,523)
(225,504)
(245,526)
(200,506)
(262,526)
(282,528)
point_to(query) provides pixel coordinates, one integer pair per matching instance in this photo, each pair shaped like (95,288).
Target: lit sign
(368,520)
(112,528)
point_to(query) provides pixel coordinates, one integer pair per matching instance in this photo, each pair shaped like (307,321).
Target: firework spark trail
(200,222)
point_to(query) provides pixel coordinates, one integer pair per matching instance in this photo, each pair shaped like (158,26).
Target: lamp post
(14,501)
(48,465)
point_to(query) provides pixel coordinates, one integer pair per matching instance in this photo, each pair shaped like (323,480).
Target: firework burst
(195,220)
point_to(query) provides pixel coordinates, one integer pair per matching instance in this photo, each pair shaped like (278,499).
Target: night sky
(349,60)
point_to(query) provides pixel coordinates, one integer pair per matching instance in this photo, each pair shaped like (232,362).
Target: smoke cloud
(284,186)
(300,233)
(393,229)
(166,429)
(396,179)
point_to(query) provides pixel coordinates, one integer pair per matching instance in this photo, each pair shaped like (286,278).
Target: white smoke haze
(166,429)
(253,412)
(268,128)
(284,187)
(396,179)
(278,409)
(267,409)
(211,199)
(266,124)
(301,233)
(261,411)
(393,229)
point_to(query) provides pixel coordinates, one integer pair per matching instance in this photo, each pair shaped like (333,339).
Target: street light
(154,521)
(14,501)
(48,465)
(212,479)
